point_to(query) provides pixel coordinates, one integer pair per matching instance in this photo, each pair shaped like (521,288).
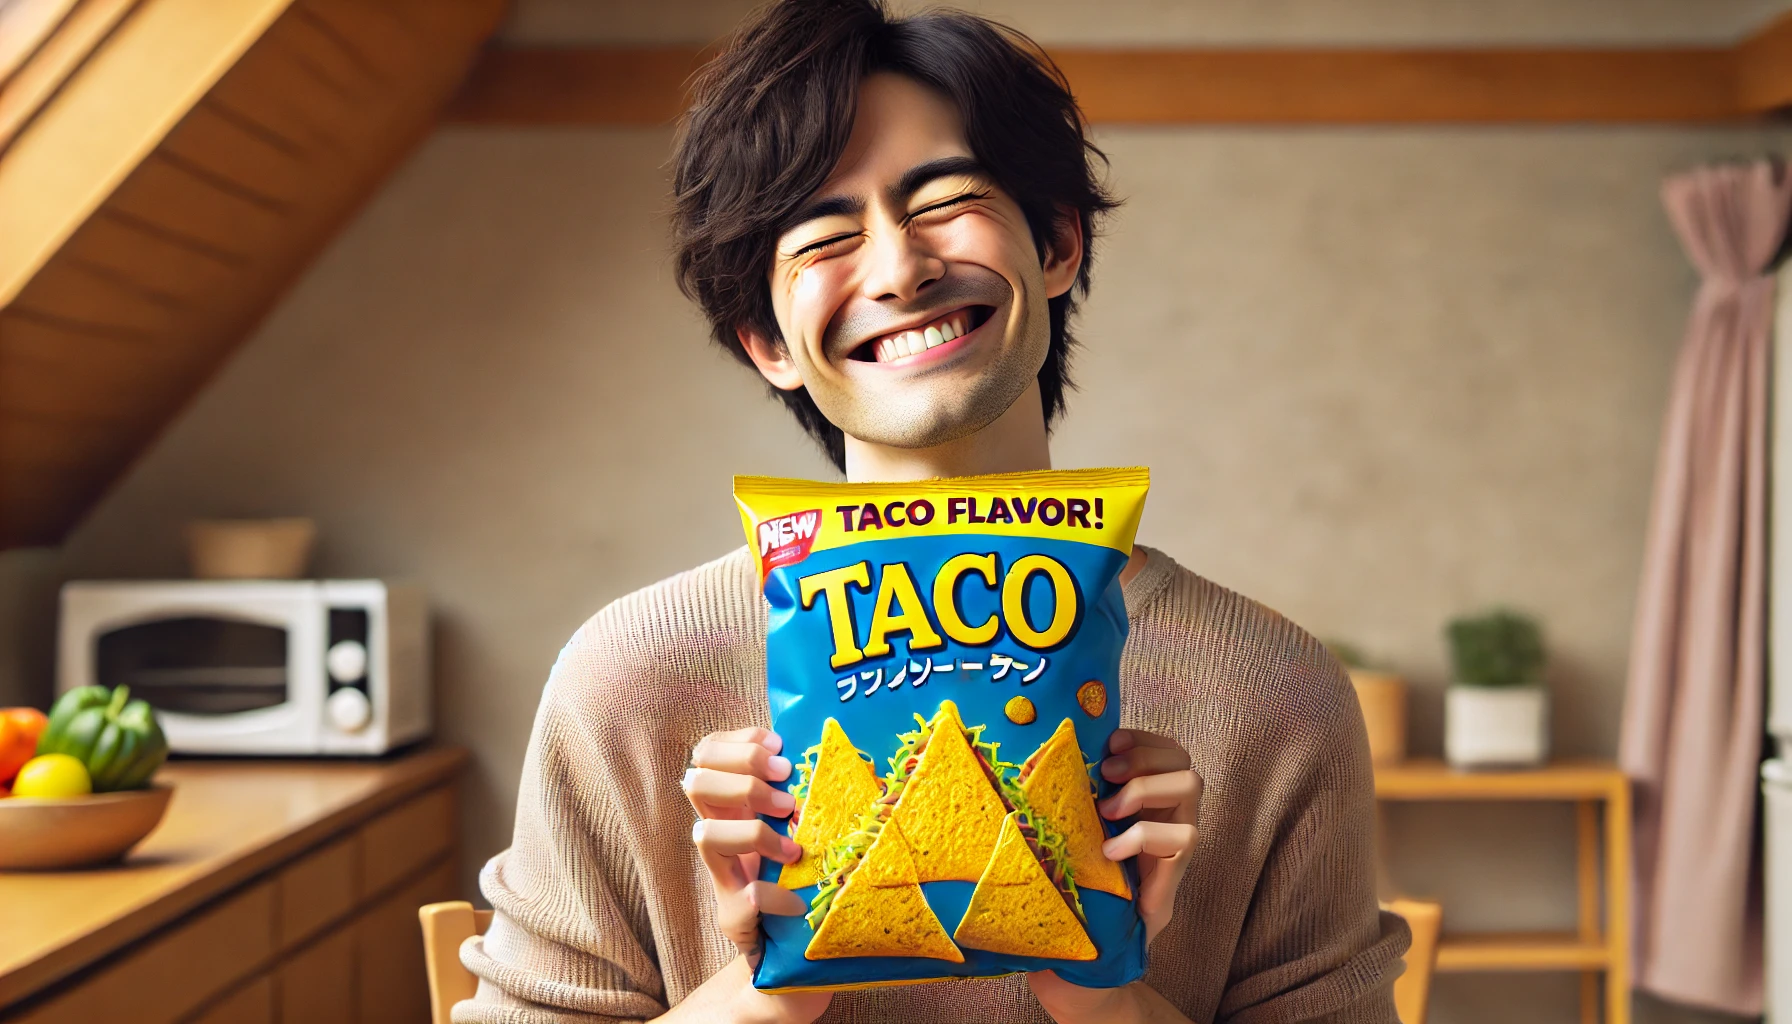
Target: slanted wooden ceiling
(170,166)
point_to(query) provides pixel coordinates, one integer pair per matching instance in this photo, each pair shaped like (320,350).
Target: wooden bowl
(42,832)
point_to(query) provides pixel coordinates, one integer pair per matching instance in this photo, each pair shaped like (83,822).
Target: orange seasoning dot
(1093,697)
(1021,711)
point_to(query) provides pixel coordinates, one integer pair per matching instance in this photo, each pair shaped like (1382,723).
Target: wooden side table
(1596,947)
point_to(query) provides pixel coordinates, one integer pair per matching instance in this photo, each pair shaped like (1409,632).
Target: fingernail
(782,802)
(791,848)
(1107,849)
(752,898)
(690,779)
(772,742)
(1106,808)
(697,831)
(779,767)
(1111,769)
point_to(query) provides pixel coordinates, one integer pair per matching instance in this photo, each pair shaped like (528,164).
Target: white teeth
(908,343)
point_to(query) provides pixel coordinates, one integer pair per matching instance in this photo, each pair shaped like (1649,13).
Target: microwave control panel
(349,706)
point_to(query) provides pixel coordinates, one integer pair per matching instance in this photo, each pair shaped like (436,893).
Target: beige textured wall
(1381,376)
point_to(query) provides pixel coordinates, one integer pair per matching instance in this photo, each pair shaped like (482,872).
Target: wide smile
(932,341)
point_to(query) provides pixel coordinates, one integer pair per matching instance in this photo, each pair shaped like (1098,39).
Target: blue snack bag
(943,662)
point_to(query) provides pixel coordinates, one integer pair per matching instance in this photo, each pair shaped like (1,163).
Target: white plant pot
(1496,727)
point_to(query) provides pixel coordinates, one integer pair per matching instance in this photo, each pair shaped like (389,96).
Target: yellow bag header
(786,519)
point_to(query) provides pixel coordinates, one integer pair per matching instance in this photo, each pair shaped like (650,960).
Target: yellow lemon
(52,775)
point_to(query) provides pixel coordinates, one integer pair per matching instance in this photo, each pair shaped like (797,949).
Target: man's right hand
(729,785)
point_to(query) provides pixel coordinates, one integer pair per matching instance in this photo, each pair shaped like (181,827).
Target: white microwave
(279,667)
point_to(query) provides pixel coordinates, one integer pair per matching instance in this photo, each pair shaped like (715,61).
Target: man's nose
(901,267)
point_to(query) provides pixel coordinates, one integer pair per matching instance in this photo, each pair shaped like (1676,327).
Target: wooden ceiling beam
(1764,68)
(576,86)
(1698,85)
(1305,87)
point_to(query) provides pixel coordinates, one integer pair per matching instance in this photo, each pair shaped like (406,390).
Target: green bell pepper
(117,738)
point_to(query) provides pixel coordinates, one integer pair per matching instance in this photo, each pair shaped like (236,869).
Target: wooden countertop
(229,821)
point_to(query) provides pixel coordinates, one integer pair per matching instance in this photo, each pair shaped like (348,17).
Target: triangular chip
(949,809)
(1059,793)
(842,786)
(1016,909)
(880,911)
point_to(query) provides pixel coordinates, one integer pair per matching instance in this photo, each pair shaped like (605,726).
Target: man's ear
(771,358)
(1064,257)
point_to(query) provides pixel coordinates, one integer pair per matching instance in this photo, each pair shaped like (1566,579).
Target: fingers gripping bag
(943,664)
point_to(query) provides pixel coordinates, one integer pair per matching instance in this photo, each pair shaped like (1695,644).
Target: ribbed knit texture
(604,911)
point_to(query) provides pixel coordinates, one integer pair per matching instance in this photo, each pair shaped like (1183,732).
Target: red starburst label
(786,540)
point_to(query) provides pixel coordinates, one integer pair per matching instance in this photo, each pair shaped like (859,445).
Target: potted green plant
(1496,710)
(1383,699)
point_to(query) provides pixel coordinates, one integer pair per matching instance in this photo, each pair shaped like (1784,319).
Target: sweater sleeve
(569,940)
(1315,945)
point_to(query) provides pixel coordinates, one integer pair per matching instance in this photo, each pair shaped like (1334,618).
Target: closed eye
(823,243)
(954,201)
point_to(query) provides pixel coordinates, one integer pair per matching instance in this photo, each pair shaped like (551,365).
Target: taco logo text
(931,620)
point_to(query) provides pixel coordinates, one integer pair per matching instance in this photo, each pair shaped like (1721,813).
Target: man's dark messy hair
(770,116)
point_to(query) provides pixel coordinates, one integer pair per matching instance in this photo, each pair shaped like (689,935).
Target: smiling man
(890,220)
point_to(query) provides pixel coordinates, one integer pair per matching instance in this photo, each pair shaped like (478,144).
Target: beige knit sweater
(604,911)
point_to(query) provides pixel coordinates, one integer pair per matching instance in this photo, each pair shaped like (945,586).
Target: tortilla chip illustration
(1057,788)
(880,911)
(842,786)
(949,808)
(1016,909)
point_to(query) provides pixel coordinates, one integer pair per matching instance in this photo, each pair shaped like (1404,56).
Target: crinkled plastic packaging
(943,665)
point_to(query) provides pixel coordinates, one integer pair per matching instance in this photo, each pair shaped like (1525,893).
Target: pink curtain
(1692,730)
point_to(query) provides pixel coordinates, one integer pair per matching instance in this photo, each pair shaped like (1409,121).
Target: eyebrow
(912,181)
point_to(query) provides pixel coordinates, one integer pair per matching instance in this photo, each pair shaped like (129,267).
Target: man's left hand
(1159,786)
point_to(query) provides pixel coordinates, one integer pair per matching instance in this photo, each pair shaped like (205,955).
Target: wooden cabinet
(166,978)
(318,983)
(329,934)
(250,1004)
(390,944)
(319,888)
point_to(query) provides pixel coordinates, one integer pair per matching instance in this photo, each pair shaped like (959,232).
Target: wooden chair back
(445,927)
(1412,990)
